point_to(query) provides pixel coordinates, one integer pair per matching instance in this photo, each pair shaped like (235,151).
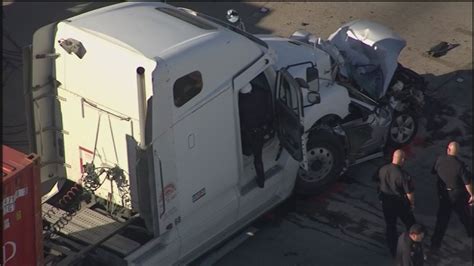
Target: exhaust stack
(141,104)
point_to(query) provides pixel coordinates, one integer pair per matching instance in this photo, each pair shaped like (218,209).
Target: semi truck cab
(138,103)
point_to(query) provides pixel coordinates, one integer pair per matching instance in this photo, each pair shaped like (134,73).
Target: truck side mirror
(302,83)
(312,74)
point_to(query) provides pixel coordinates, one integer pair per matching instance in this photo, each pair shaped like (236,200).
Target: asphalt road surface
(344,225)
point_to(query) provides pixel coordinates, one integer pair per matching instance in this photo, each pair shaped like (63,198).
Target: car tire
(326,153)
(403,129)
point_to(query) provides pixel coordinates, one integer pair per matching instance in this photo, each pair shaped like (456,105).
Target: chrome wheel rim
(402,129)
(320,163)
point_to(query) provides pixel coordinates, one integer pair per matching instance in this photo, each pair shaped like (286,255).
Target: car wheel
(325,160)
(402,129)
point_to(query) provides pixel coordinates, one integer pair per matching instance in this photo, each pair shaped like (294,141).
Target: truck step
(90,226)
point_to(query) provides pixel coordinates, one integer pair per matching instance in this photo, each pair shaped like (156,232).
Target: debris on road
(441,49)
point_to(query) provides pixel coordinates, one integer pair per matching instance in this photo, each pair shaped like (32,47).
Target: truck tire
(403,129)
(325,160)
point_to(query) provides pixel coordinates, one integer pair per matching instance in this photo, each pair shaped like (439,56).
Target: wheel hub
(403,128)
(320,161)
(316,165)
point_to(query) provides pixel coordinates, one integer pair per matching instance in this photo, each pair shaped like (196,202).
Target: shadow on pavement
(449,108)
(349,211)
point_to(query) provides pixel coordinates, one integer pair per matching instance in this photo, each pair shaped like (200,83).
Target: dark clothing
(392,209)
(253,108)
(409,252)
(449,201)
(256,140)
(254,115)
(394,181)
(394,184)
(452,178)
(452,172)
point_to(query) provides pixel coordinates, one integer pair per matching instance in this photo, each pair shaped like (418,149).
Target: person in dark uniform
(396,192)
(252,109)
(454,191)
(410,247)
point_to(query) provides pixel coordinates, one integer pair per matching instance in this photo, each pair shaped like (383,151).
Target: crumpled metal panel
(367,43)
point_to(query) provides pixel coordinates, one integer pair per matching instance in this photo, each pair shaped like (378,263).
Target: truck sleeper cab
(190,181)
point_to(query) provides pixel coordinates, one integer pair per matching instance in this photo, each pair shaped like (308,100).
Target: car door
(365,128)
(289,114)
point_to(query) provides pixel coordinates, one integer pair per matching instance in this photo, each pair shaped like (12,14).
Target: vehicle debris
(441,49)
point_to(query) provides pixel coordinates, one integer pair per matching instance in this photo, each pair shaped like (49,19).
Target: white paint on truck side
(200,174)
(116,43)
(100,105)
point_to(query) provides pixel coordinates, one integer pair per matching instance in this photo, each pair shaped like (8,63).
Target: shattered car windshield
(370,51)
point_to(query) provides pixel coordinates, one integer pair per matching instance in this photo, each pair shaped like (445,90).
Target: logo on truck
(169,192)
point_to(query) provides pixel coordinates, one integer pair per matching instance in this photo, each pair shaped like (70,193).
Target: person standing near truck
(454,191)
(252,109)
(396,192)
(410,247)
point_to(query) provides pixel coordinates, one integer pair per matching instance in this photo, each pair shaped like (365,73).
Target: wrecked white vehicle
(385,98)
(373,76)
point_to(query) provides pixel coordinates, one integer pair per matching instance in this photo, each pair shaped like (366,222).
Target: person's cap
(246,89)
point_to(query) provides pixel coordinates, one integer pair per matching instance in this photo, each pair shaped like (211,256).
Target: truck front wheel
(325,162)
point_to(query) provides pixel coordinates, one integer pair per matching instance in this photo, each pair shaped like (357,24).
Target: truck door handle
(163,199)
(191,141)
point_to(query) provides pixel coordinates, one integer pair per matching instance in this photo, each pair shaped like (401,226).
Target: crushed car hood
(370,51)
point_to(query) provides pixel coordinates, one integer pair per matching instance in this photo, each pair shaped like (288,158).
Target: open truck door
(289,113)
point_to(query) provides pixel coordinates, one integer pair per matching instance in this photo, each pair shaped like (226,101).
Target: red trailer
(22,223)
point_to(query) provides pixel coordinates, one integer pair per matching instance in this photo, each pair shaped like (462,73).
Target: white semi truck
(134,111)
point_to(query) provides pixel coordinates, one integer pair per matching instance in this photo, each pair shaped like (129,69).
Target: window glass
(261,82)
(288,95)
(186,87)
